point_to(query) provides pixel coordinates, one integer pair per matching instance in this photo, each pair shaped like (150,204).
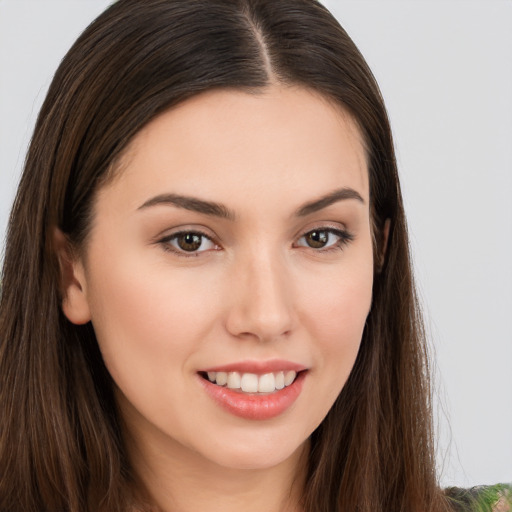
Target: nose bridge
(262,303)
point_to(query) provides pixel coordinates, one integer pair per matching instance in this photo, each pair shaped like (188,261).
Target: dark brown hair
(60,442)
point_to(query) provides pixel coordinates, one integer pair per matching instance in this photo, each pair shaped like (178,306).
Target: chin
(261,455)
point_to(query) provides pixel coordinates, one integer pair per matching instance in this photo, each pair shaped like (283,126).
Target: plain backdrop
(445,70)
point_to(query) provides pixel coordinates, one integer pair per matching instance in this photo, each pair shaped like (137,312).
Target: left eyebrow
(341,194)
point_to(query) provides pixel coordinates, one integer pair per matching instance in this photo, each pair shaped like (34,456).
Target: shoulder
(481,498)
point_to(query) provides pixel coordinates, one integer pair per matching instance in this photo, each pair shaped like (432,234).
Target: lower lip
(255,406)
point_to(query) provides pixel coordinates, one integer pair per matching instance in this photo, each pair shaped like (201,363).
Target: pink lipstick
(252,389)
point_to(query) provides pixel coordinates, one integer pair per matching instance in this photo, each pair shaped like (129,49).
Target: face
(232,249)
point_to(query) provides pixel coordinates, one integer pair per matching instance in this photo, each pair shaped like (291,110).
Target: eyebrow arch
(341,194)
(190,203)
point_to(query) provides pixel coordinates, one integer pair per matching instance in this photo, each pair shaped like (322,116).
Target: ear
(75,305)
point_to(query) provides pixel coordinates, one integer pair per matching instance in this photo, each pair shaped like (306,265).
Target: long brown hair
(60,441)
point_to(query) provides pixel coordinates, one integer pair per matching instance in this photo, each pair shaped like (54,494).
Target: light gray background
(445,69)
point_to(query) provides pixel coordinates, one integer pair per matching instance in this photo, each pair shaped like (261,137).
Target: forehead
(279,142)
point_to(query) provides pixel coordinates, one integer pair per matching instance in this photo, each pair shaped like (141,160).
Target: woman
(207,296)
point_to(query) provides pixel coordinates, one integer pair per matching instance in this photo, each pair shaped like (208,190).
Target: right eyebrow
(191,203)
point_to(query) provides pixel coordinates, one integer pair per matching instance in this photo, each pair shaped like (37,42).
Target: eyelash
(344,238)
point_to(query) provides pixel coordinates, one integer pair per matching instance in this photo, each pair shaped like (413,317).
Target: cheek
(340,324)
(147,322)
(336,319)
(342,297)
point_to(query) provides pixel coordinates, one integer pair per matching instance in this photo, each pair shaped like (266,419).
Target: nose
(261,302)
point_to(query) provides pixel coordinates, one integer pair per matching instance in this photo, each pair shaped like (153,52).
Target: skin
(257,291)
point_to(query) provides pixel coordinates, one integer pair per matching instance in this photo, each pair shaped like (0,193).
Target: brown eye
(189,241)
(317,239)
(326,239)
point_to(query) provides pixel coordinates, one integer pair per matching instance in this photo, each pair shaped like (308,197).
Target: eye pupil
(189,241)
(317,239)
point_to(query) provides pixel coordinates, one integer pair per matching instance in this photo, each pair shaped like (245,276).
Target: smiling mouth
(252,382)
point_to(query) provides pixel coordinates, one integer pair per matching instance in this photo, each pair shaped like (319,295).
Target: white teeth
(267,383)
(279,378)
(233,380)
(289,377)
(252,383)
(222,378)
(249,383)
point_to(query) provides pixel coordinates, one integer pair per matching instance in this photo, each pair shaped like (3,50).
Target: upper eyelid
(170,233)
(329,229)
(201,231)
(323,226)
(187,231)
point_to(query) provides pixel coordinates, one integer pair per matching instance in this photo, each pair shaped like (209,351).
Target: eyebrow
(191,203)
(219,210)
(341,194)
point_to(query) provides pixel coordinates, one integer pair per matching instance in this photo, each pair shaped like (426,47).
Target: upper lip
(258,367)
